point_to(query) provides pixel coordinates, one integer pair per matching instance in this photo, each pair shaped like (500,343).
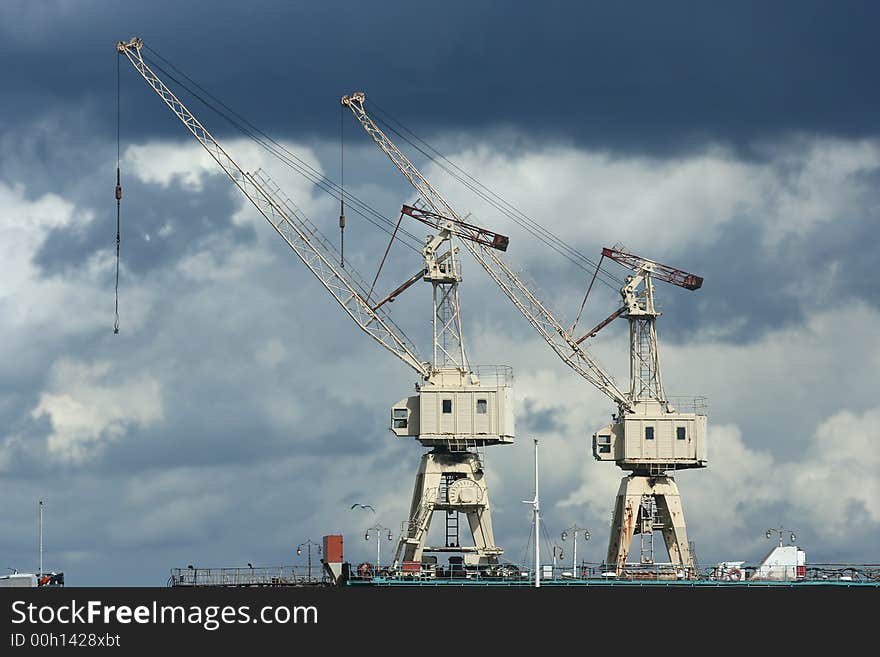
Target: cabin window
(649,433)
(604,442)
(680,433)
(447,405)
(482,406)
(399,418)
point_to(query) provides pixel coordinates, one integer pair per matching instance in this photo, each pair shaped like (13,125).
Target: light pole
(780,531)
(557,552)
(573,530)
(378,529)
(791,535)
(309,543)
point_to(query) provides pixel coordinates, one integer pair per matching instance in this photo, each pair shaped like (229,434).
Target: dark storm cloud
(191,218)
(745,294)
(753,288)
(742,297)
(642,77)
(531,420)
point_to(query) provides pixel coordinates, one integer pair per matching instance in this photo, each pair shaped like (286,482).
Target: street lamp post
(791,535)
(573,530)
(557,552)
(309,543)
(377,529)
(780,531)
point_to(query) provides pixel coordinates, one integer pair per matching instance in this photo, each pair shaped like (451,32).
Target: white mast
(536,510)
(537,524)
(41,538)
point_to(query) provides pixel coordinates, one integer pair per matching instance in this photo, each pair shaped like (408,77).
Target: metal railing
(599,573)
(243,576)
(494,375)
(689,403)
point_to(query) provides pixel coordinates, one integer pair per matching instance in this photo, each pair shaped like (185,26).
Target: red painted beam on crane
(660,271)
(462,229)
(605,322)
(409,282)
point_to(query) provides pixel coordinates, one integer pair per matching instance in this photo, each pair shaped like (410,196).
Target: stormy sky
(239,412)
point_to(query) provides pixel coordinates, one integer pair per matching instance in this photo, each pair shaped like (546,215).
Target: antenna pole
(537,524)
(41,538)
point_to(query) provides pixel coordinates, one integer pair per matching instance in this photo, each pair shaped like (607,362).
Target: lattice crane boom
(301,235)
(520,294)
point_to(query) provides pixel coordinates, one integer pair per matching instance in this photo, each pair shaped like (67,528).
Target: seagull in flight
(363,506)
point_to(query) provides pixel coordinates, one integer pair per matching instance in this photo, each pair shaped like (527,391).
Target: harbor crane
(458,409)
(649,435)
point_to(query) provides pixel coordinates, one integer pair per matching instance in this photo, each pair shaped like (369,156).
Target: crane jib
(288,222)
(659,271)
(462,229)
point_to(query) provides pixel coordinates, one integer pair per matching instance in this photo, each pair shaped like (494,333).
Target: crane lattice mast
(646,381)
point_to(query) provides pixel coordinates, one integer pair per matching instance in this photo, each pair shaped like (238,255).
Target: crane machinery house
(469,411)
(654,434)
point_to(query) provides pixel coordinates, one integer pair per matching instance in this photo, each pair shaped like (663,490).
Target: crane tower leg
(452,482)
(669,519)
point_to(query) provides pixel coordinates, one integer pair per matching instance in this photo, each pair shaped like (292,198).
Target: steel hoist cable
(280,152)
(118,199)
(382,263)
(495,200)
(342,189)
(589,287)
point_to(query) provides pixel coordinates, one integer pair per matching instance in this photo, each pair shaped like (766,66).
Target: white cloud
(218,261)
(272,354)
(88,408)
(162,163)
(809,182)
(840,469)
(830,487)
(41,311)
(666,206)
(793,375)
(188,164)
(26,225)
